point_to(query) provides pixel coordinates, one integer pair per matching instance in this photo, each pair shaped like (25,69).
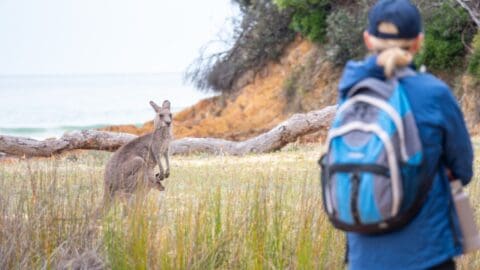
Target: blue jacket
(432,237)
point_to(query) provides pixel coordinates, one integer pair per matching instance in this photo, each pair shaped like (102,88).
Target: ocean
(47,106)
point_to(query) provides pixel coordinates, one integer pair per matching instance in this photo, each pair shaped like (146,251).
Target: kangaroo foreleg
(167,162)
(159,176)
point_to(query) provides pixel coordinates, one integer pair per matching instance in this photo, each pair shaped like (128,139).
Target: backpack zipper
(354,198)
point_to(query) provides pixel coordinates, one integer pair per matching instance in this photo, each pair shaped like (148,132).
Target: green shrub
(444,31)
(345,28)
(309,17)
(474,63)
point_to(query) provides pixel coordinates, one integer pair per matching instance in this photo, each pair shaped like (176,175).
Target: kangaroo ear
(166,104)
(155,106)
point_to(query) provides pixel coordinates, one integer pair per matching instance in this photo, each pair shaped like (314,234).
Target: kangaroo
(132,166)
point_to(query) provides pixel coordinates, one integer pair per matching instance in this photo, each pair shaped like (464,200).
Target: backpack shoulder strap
(382,88)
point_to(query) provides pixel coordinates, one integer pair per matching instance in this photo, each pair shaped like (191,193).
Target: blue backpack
(371,172)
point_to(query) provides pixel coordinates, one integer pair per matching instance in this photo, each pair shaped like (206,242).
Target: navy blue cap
(401,13)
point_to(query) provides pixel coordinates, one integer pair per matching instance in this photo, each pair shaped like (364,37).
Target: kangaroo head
(163,115)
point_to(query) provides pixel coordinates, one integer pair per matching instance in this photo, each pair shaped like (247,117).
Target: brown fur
(132,166)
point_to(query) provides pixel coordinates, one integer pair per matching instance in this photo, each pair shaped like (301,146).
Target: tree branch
(473,10)
(286,132)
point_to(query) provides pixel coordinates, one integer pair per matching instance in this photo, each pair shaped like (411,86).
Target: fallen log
(283,134)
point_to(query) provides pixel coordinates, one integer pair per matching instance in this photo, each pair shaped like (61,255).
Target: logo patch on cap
(387,28)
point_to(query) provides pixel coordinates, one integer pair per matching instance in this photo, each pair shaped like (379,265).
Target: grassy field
(253,212)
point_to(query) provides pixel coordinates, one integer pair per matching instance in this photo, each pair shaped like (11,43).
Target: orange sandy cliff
(257,107)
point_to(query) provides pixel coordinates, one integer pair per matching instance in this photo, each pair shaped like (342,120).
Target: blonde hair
(392,53)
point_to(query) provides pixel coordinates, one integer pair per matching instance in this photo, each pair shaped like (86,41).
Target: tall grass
(253,212)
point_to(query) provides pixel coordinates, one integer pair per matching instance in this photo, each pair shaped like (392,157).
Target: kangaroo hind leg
(133,174)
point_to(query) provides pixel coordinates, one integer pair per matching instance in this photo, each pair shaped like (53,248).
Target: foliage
(446,25)
(474,63)
(345,28)
(260,36)
(446,30)
(309,17)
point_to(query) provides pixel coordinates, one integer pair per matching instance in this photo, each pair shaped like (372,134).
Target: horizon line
(106,74)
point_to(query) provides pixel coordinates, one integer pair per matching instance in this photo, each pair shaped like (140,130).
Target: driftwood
(473,8)
(286,132)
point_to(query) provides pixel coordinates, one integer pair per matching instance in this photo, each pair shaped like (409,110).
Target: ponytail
(394,58)
(392,53)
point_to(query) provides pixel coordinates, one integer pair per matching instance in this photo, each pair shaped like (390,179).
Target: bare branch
(473,8)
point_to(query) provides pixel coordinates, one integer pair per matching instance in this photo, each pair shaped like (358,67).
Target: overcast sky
(106,36)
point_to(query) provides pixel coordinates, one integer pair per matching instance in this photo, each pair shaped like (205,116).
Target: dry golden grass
(253,212)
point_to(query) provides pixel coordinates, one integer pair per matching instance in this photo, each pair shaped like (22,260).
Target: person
(432,238)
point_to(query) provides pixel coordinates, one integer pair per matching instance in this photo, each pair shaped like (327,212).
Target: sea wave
(47,132)
(47,106)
